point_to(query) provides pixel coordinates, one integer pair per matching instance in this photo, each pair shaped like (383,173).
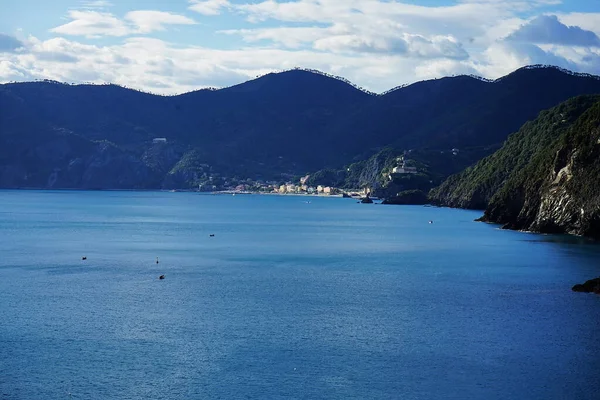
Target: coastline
(232,192)
(221,192)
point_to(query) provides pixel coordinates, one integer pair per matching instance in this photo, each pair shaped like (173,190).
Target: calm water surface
(327,299)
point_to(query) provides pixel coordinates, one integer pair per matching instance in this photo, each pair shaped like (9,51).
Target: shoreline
(221,192)
(229,192)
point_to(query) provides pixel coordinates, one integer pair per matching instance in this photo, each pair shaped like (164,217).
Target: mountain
(462,111)
(474,187)
(546,177)
(273,127)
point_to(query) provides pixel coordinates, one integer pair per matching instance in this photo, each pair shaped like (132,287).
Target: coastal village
(403,167)
(294,189)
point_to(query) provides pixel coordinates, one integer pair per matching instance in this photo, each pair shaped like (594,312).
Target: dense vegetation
(375,173)
(414,196)
(474,187)
(275,127)
(546,177)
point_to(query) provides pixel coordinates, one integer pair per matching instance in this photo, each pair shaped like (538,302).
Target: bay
(293,297)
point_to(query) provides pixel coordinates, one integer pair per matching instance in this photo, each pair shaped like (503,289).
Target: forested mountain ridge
(559,190)
(474,187)
(273,127)
(546,177)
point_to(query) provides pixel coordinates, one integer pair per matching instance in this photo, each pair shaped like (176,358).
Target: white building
(404,170)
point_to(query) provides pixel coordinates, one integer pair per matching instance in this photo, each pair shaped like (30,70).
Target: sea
(286,297)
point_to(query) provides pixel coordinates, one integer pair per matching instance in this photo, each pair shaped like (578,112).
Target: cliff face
(559,190)
(476,186)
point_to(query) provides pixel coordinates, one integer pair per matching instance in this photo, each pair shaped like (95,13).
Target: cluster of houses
(304,189)
(402,168)
(288,188)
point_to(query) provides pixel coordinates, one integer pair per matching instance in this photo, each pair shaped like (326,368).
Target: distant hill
(461,111)
(546,177)
(274,127)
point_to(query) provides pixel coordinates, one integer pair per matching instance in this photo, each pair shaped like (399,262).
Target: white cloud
(375,26)
(95,23)
(292,37)
(342,38)
(92,24)
(439,68)
(587,21)
(147,21)
(157,66)
(504,57)
(356,43)
(208,7)
(547,29)
(377,44)
(436,47)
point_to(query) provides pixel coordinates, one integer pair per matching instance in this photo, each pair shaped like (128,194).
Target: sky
(176,46)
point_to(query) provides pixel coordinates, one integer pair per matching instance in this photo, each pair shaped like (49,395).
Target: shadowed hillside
(274,127)
(545,178)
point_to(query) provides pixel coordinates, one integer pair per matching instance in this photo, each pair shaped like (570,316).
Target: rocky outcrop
(559,190)
(591,286)
(366,200)
(546,177)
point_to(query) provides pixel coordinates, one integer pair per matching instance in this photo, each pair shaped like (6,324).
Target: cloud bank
(375,43)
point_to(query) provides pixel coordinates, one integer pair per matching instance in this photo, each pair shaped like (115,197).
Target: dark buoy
(161,277)
(84,258)
(157,260)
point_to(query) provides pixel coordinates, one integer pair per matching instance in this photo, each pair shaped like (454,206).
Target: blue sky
(176,46)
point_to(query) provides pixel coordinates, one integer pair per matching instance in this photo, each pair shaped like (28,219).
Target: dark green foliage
(546,177)
(408,197)
(271,128)
(474,187)
(461,111)
(327,177)
(572,199)
(370,173)
(376,172)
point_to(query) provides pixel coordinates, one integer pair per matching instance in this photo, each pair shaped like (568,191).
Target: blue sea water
(294,297)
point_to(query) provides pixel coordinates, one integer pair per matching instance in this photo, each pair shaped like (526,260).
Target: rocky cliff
(551,184)
(559,190)
(474,187)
